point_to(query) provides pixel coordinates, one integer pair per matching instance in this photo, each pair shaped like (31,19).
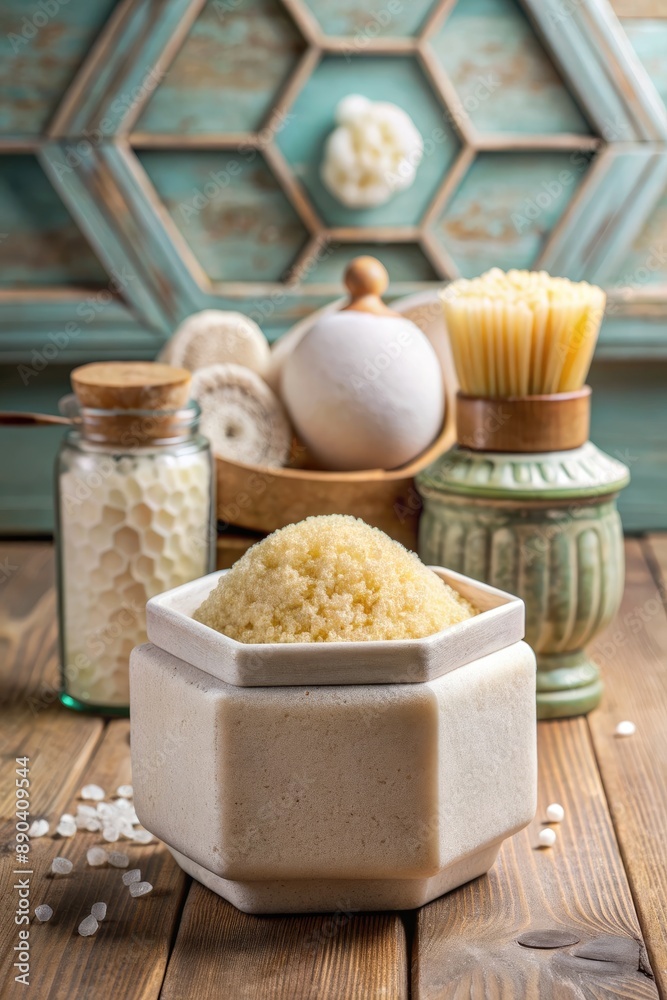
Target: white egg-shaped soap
(364,391)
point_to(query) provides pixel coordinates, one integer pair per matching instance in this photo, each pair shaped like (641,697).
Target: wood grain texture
(221,952)
(128,954)
(66,751)
(465,943)
(632,654)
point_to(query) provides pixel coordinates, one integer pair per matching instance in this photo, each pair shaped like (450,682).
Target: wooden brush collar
(555,422)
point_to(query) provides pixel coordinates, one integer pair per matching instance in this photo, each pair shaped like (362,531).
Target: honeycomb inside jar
(131,526)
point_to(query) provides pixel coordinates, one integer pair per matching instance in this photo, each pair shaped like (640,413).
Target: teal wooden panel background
(167,160)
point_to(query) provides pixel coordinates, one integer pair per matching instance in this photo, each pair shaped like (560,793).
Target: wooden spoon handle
(17,418)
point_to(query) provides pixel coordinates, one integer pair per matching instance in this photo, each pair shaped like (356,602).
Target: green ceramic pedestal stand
(545,527)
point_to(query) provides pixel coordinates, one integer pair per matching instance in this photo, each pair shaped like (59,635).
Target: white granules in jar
(131,527)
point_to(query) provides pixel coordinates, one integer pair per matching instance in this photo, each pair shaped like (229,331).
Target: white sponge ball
(364,391)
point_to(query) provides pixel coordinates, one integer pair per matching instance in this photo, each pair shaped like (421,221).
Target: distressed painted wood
(40,52)
(505,81)
(227,74)
(598,59)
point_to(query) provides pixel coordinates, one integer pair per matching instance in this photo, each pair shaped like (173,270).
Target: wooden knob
(366,280)
(131,385)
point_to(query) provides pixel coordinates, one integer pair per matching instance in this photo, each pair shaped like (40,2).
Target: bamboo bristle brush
(527,339)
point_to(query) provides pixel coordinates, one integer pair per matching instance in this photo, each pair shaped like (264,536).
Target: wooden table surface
(605,880)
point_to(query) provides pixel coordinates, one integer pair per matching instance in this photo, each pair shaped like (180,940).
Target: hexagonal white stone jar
(334,776)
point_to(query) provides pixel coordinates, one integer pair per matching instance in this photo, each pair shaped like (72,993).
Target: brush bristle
(522,333)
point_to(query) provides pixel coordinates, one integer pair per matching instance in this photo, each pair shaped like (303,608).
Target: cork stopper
(366,280)
(131,385)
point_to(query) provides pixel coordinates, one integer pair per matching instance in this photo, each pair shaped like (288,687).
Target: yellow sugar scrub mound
(331,579)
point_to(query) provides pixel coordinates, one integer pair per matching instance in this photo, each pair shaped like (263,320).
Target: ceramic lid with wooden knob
(366,280)
(104,389)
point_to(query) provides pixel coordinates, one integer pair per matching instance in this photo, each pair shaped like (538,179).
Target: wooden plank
(221,952)
(128,955)
(632,654)
(466,943)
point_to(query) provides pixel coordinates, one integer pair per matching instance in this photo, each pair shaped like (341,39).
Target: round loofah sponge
(330,579)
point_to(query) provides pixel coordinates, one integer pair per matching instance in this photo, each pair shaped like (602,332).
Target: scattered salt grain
(38,828)
(142,836)
(125,791)
(96,856)
(84,810)
(43,912)
(93,825)
(555,813)
(88,926)
(134,875)
(140,888)
(67,826)
(92,792)
(110,834)
(547,837)
(118,859)
(61,866)
(98,910)
(625,728)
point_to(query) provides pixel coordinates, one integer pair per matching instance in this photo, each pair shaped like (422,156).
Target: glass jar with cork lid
(134,517)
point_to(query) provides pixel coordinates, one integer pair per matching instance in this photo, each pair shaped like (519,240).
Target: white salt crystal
(88,926)
(110,834)
(547,837)
(118,859)
(93,825)
(66,827)
(96,856)
(134,875)
(105,810)
(142,836)
(140,888)
(555,813)
(625,728)
(61,866)
(38,828)
(84,810)
(92,792)
(43,912)
(81,821)
(125,791)
(99,911)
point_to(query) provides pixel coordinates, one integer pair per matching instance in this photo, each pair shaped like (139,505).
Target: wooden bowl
(263,499)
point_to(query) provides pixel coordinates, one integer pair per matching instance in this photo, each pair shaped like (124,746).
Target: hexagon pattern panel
(505,81)
(183,142)
(231,211)
(312,117)
(52,250)
(229,72)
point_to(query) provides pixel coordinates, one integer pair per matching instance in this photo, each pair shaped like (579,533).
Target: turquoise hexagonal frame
(115,205)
